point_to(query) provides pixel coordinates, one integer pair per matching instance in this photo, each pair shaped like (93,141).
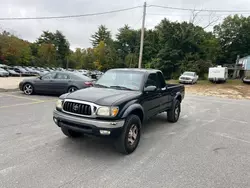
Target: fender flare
(178,94)
(132,108)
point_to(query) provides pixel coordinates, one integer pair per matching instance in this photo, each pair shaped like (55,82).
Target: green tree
(103,34)
(46,54)
(14,50)
(234,37)
(60,42)
(128,42)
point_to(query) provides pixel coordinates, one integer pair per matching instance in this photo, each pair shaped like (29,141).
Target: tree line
(172,47)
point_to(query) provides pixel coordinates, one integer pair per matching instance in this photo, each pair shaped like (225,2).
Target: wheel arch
(72,86)
(178,97)
(135,109)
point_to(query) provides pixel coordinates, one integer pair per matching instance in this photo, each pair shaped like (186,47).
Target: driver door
(152,100)
(45,83)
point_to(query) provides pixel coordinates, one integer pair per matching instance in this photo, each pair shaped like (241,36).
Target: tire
(28,89)
(70,133)
(72,89)
(174,113)
(126,143)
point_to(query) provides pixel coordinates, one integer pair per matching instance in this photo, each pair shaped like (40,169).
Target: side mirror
(40,77)
(150,89)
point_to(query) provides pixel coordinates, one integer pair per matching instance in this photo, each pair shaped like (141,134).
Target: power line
(201,10)
(69,16)
(201,15)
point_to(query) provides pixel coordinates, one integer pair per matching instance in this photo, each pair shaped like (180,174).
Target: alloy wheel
(28,89)
(133,134)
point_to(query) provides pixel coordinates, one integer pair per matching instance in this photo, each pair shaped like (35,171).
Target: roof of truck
(138,70)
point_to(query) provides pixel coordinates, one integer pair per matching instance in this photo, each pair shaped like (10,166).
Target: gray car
(3,73)
(56,82)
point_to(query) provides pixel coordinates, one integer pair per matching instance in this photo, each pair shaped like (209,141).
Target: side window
(162,82)
(49,76)
(152,80)
(62,76)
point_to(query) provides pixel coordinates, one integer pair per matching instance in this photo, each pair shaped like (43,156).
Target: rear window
(79,76)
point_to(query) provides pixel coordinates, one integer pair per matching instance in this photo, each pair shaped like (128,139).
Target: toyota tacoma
(117,106)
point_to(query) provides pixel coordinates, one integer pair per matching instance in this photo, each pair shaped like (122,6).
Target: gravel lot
(208,147)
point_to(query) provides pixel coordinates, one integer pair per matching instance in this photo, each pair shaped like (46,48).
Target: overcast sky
(79,30)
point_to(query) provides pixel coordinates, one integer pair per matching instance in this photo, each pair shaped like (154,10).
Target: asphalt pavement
(208,147)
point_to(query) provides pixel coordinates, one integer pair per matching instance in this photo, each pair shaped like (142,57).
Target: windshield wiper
(100,85)
(121,87)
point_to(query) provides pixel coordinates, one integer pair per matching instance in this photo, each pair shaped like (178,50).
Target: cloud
(79,30)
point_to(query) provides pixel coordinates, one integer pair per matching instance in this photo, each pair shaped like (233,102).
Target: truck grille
(77,108)
(185,78)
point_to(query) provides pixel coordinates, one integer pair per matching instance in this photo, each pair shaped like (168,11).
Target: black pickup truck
(117,106)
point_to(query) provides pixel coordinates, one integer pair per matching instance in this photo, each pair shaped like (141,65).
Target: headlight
(59,104)
(107,111)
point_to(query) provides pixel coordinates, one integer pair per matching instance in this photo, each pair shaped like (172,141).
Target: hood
(103,96)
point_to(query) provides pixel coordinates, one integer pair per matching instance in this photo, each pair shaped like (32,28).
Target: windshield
(121,79)
(188,73)
(78,76)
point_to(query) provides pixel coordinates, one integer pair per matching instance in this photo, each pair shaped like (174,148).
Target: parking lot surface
(208,147)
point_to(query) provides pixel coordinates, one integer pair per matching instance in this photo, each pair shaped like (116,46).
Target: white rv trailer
(218,74)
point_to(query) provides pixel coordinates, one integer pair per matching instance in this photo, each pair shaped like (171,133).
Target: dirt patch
(226,90)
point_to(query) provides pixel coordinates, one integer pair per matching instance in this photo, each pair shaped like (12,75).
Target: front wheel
(70,133)
(28,89)
(174,113)
(129,139)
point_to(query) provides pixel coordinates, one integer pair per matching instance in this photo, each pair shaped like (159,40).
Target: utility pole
(142,34)
(67,65)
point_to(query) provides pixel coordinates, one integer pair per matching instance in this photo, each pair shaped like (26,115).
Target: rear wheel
(70,133)
(174,113)
(28,89)
(72,89)
(128,141)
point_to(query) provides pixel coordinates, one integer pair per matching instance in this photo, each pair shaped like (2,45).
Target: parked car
(117,106)
(188,78)
(12,72)
(246,80)
(3,73)
(31,71)
(55,83)
(21,71)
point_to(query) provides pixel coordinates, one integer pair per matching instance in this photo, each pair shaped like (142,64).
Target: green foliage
(46,54)
(172,47)
(14,51)
(60,43)
(101,35)
(234,37)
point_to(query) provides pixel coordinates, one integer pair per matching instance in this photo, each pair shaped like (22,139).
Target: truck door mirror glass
(150,88)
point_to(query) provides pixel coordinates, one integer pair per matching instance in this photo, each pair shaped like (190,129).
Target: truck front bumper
(185,81)
(87,125)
